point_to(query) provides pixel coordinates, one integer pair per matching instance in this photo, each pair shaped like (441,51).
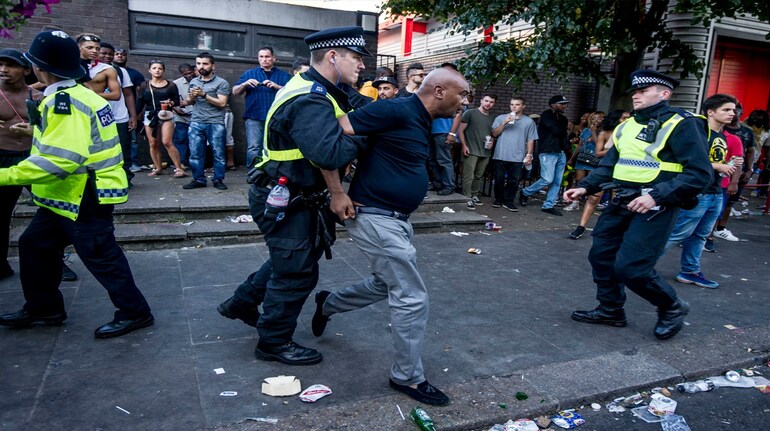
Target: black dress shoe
(523,199)
(290,353)
(445,192)
(116,328)
(602,315)
(6,272)
(671,321)
(553,211)
(319,320)
(24,319)
(68,274)
(425,393)
(235,308)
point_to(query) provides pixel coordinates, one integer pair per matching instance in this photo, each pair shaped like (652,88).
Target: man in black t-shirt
(694,225)
(390,185)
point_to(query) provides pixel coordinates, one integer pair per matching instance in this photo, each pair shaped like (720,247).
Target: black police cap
(644,78)
(351,38)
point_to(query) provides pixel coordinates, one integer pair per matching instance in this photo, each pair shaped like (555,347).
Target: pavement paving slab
(499,324)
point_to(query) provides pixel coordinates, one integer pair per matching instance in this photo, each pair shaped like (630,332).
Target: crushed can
(568,420)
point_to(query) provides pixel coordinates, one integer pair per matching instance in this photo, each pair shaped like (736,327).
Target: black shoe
(68,274)
(523,199)
(425,393)
(671,321)
(193,185)
(290,353)
(602,315)
(445,192)
(235,308)
(116,328)
(319,320)
(552,211)
(511,207)
(219,185)
(23,319)
(497,204)
(6,272)
(577,233)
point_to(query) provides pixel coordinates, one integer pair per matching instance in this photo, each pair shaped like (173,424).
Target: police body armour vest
(638,160)
(296,86)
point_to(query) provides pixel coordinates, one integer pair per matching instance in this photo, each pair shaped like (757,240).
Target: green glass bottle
(421,418)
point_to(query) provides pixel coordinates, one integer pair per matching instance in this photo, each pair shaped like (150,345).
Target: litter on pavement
(281,386)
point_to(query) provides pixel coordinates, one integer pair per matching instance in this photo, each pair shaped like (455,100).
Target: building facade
(175,31)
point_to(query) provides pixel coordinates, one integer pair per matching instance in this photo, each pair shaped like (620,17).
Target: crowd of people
(667,177)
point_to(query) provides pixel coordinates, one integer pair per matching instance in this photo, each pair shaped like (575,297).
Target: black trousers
(507,175)
(625,248)
(291,273)
(8,197)
(125,146)
(40,250)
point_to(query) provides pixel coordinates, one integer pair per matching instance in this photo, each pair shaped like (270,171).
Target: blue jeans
(693,227)
(215,134)
(440,162)
(551,172)
(134,148)
(181,142)
(255,133)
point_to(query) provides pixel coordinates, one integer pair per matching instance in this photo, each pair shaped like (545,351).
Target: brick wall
(110,20)
(579,91)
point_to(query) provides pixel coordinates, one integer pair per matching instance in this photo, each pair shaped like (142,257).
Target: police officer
(305,144)
(75,169)
(658,163)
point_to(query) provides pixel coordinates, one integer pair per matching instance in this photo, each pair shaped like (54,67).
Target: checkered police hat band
(650,80)
(342,41)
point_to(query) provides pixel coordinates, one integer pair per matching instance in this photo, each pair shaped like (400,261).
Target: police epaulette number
(318,89)
(62,104)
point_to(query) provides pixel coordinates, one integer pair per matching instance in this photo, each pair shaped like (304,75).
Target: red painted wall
(742,68)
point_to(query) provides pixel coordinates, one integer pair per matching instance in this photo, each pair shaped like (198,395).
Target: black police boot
(604,315)
(290,353)
(235,308)
(671,321)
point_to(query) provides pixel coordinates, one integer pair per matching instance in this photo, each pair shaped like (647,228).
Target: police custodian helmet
(56,53)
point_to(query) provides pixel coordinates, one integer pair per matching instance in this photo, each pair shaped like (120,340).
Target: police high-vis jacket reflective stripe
(65,147)
(638,160)
(296,86)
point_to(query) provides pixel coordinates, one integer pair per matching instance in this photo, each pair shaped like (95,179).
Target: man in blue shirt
(260,86)
(399,134)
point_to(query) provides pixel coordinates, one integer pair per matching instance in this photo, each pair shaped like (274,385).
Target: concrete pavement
(499,324)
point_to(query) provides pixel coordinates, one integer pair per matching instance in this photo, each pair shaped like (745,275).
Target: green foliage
(573,37)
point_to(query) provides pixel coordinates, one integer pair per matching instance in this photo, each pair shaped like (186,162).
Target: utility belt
(621,195)
(379,211)
(300,198)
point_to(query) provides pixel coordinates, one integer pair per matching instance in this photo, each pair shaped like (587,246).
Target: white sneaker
(734,213)
(726,235)
(574,206)
(135,168)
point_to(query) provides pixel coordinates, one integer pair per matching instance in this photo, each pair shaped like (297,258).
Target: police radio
(32,111)
(653,126)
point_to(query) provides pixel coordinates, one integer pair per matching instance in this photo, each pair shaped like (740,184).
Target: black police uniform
(297,242)
(626,245)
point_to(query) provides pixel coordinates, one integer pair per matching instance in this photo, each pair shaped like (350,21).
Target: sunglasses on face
(88,38)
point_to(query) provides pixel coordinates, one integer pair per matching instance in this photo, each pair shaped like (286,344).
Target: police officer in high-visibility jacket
(76,172)
(303,142)
(658,163)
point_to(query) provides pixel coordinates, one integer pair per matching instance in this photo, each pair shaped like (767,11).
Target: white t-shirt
(119,109)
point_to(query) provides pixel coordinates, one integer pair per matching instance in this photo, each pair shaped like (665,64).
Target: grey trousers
(387,243)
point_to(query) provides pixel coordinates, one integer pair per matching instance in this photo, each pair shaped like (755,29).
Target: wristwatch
(452,134)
